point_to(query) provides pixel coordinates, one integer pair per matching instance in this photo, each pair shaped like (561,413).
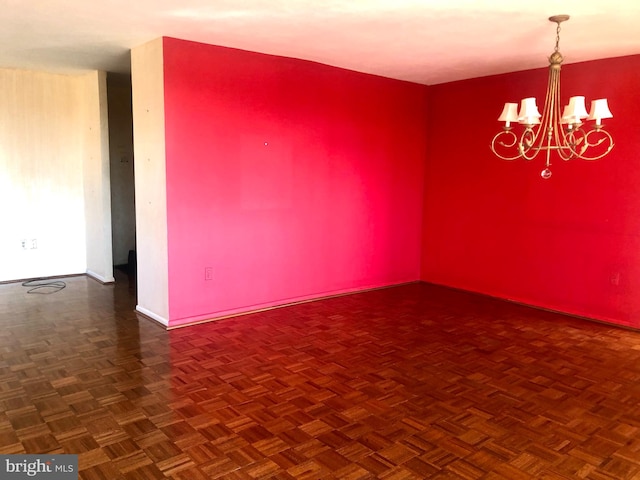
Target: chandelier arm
(563,139)
(546,135)
(550,116)
(505,139)
(574,141)
(579,141)
(529,146)
(605,139)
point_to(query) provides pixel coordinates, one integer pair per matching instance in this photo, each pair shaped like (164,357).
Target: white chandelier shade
(551,131)
(599,110)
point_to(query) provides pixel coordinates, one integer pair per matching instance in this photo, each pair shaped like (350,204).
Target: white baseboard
(148,313)
(101,278)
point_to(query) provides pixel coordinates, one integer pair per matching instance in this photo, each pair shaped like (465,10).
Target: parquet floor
(410,382)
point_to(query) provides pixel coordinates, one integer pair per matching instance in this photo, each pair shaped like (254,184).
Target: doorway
(123,213)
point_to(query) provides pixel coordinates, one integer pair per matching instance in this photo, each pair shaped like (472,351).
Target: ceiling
(424,41)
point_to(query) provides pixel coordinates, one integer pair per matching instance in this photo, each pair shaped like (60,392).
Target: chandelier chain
(557,38)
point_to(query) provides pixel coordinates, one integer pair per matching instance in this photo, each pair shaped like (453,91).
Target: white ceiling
(425,41)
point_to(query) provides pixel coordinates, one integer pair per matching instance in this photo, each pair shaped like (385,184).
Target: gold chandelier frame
(554,130)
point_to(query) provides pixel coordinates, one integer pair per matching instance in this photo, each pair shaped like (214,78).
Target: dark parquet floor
(410,382)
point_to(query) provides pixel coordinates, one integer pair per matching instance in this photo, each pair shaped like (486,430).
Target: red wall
(290,179)
(570,243)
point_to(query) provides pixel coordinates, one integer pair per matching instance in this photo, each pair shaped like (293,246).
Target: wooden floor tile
(415,381)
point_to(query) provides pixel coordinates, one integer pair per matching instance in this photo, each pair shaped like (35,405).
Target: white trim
(152,316)
(100,278)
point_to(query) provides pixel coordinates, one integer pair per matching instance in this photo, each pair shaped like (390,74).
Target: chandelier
(552,131)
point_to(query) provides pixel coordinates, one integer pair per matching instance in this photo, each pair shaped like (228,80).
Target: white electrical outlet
(208,273)
(23,243)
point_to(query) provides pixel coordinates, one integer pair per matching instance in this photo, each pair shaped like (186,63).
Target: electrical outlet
(208,273)
(34,243)
(23,242)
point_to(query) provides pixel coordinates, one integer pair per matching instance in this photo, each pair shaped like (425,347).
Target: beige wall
(51,133)
(97,193)
(147,78)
